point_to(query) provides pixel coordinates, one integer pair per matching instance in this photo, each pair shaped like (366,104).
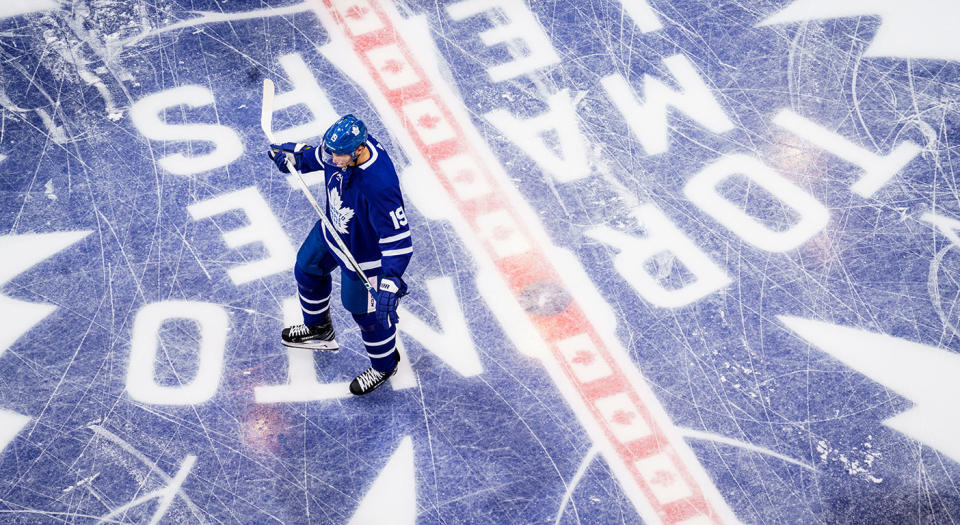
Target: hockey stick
(266,124)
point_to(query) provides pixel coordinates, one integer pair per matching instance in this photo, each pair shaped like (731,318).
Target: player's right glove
(278,154)
(388,299)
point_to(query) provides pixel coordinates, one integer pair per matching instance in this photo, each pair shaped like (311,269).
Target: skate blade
(321,346)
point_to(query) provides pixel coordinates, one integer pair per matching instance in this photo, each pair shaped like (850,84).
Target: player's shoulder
(378,170)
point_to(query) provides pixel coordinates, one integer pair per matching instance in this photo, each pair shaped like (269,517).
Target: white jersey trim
(394,238)
(378,343)
(370,265)
(318,301)
(401,251)
(385,354)
(315,312)
(373,156)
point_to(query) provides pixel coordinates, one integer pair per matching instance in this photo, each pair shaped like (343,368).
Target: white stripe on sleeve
(401,251)
(395,238)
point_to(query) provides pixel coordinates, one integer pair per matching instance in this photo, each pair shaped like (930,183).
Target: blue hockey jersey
(365,207)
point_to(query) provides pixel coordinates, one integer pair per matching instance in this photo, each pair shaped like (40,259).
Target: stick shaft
(266,109)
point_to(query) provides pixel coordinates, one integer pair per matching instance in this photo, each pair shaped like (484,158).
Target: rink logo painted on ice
(659,473)
(509,239)
(20,253)
(924,374)
(924,29)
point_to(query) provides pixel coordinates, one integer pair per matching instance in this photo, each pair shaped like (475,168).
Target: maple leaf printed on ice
(339,214)
(924,374)
(22,252)
(922,29)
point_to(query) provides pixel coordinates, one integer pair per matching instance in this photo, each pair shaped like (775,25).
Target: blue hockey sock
(380,342)
(314,291)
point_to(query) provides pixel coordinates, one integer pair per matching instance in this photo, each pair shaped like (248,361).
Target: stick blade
(266,109)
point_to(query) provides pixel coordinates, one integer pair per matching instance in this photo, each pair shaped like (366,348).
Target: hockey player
(365,207)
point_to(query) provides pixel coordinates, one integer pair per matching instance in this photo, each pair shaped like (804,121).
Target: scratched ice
(676,262)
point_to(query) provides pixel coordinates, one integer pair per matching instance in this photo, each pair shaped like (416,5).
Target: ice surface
(788,371)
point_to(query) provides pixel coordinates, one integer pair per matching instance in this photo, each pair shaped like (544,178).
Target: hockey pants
(314,265)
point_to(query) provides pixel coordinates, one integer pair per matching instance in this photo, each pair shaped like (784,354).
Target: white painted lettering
(702,191)
(452,344)
(147,113)
(642,14)
(662,236)
(302,384)
(213,323)
(565,162)
(307,93)
(263,228)
(520,26)
(877,170)
(648,119)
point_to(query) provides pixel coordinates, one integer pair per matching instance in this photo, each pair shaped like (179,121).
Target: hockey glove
(391,290)
(278,154)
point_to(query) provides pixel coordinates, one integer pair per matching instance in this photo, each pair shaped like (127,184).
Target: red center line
(616,407)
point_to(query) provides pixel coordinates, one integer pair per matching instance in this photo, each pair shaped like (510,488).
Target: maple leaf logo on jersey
(339,214)
(925,29)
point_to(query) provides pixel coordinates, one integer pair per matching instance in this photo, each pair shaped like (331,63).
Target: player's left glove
(278,154)
(388,299)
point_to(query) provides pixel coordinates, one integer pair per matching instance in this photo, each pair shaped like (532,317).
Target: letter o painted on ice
(213,323)
(702,191)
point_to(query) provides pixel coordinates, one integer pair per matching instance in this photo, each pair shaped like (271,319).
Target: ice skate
(370,379)
(320,337)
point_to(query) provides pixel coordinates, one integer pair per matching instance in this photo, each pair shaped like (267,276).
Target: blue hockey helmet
(345,136)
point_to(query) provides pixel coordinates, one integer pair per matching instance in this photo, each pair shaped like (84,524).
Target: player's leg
(314,287)
(381,346)
(379,342)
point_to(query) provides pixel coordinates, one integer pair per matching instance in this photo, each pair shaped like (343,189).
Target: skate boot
(370,379)
(319,337)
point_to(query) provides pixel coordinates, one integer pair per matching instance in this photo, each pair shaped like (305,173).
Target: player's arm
(396,248)
(306,158)
(390,222)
